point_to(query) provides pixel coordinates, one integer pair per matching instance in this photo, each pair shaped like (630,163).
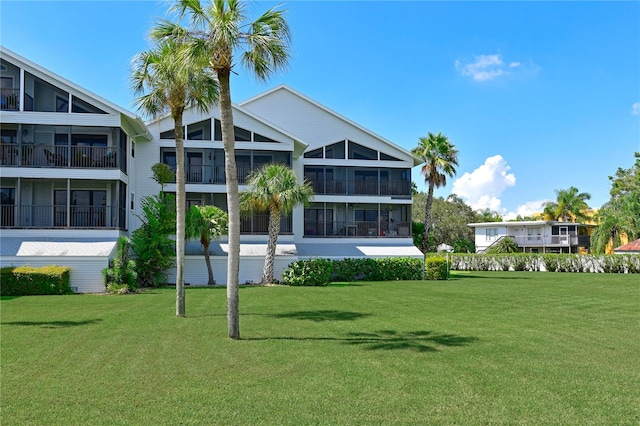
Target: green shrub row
(318,272)
(27,280)
(615,263)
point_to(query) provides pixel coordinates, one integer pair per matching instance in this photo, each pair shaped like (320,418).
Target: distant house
(538,236)
(630,247)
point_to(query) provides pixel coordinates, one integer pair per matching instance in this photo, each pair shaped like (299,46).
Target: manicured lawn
(482,348)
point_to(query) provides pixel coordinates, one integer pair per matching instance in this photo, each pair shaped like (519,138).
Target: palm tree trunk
(274,230)
(233,204)
(427,219)
(180,213)
(207,259)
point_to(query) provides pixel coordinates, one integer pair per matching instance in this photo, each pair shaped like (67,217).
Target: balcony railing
(338,229)
(59,216)
(344,187)
(98,157)
(9,99)
(259,225)
(212,174)
(552,240)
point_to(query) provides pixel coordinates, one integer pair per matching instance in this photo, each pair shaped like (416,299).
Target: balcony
(346,229)
(9,99)
(570,240)
(212,174)
(54,156)
(366,187)
(259,225)
(59,216)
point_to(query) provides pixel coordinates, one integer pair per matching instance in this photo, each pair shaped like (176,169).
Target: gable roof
(283,87)
(527,223)
(630,247)
(135,122)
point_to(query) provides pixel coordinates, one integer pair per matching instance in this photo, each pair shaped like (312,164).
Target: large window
(359,152)
(491,234)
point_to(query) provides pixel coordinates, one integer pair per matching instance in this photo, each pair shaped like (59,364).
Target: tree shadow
(417,341)
(506,276)
(52,324)
(322,315)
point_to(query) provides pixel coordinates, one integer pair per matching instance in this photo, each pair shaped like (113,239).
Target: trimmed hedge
(319,272)
(435,268)
(27,280)
(614,263)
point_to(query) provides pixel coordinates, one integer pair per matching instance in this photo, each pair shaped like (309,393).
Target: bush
(120,278)
(321,271)
(435,268)
(26,280)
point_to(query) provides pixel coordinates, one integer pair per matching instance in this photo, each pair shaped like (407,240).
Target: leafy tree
(164,82)
(464,246)
(487,215)
(163,174)
(121,276)
(570,206)
(504,245)
(206,223)
(274,189)
(217,31)
(621,214)
(440,160)
(151,242)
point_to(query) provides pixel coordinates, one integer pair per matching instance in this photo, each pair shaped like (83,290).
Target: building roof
(630,247)
(526,223)
(55,247)
(136,123)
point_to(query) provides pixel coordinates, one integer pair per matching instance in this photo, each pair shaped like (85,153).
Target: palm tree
(569,207)
(274,189)
(440,159)
(166,84)
(206,223)
(616,218)
(217,31)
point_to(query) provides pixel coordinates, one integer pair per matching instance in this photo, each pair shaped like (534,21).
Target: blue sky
(536,96)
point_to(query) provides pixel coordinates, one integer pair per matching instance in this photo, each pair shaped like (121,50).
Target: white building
(75,166)
(534,236)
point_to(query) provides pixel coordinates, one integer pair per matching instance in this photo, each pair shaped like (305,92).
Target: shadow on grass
(499,275)
(52,324)
(417,341)
(322,315)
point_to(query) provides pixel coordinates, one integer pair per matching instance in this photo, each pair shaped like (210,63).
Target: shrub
(320,271)
(435,268)
(121,277)
(26,280)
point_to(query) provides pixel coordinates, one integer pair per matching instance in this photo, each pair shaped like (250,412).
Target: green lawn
(482,348)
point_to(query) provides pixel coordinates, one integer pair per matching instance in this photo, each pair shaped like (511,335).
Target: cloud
(488,67)
(635,108)
(527,209)
(483,187)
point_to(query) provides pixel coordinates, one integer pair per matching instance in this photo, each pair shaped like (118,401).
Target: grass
(482,348)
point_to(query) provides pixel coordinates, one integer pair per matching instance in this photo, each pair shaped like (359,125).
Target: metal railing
(354,187)
(345,229)
(259,225)
(59,216)
(9,99)
(99,157)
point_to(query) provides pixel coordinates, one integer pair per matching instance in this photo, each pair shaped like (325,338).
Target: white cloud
(483,187)
(488,67)
(635,108)
(527,209)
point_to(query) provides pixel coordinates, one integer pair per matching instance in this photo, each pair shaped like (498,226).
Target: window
(335,150)
(62,103)
(241,135)
(491,234)
(9,136)
(388,157)
(78,105)
(259,138)
(217,130)
(316,153)
(367,215)
(7,206)
(534,234)
(133,204)
(199,131)
(359,152)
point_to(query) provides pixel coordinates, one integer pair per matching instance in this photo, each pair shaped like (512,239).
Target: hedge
(435,268)
(320,271)
(27,280)
(614,263)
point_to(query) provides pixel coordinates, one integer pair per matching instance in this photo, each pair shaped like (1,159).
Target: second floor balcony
(361,187)
(62,216)
(99,157)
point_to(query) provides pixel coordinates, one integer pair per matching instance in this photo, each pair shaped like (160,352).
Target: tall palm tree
(440,160)
(206,223)
(218,30)
(570,206)
(615,218)
(166,84)
(274,189)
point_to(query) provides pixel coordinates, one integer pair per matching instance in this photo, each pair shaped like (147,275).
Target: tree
(504,245)
(570,206)
(440,158)
(621,214)
(206,223)
(487,215)
(164,82)
(274,189)
(217,31)
(163,174)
